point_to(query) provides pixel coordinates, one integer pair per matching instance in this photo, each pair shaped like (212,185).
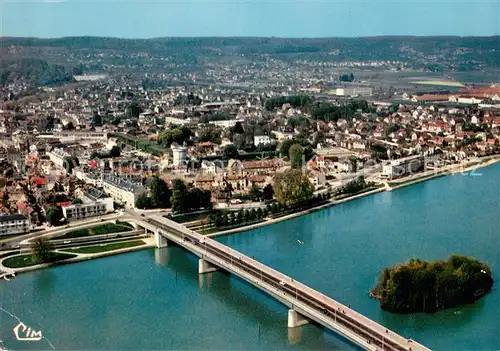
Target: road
(11,243)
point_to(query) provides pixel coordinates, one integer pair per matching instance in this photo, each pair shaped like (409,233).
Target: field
(443,83)
(28,260)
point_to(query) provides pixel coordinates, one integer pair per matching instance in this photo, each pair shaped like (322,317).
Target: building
(179,154)
(57,156)
(402,167)
(261,139)
(14,224)
(354,91)
(95,203)
(121,190)
(82,136)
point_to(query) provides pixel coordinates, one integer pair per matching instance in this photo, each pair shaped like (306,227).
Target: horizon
(394,36)
(294,19)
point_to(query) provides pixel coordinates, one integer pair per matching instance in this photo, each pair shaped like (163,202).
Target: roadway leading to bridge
(304,302)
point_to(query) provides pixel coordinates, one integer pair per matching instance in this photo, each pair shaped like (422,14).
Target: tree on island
(419,286)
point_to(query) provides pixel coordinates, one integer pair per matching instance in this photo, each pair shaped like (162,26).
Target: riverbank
(448,170)
(148,243)
(294,215)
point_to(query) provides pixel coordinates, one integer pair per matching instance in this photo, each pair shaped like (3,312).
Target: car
(67,241)
(282,283)
(142,214)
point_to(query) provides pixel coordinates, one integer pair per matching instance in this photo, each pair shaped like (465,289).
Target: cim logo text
(25,333)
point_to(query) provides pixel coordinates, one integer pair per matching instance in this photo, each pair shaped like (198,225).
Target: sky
(278,18)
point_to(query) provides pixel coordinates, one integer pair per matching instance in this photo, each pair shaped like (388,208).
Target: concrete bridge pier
(295,319)
(160,240)
(205,266)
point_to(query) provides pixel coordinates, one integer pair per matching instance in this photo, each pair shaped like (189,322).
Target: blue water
(155,299)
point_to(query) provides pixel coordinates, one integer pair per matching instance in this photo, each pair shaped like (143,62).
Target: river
(154,299)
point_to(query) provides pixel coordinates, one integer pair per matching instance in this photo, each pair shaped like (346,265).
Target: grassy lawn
(107,228)
(107,247)
(28,260)
(183,218)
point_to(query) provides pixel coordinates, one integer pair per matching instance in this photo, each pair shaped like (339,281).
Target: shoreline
(450,170)
(149,242)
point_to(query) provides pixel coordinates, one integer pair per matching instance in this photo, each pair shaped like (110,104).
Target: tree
(115,151)
(76,201)
(211,133)
(94,155)
(5,199)
(69,163)
(285,147)
(133,110)
(237,129)
(255,193)
(178,199)
(230,151)
(177,135)
(268,192)
(143,202)
(292,187)
(54,215)
(42,249)
(160,193)
(69,126)
(96,119)
(295,155)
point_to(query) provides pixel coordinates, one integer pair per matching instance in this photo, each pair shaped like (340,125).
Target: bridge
(305,304)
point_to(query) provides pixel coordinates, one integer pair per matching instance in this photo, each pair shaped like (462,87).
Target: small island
(419,286)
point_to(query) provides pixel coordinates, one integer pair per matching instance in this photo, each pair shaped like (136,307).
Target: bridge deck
(305,300)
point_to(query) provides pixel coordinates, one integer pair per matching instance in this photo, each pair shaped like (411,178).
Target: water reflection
(294,335)
(162,256)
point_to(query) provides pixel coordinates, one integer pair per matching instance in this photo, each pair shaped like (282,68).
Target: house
(121,190)
(261,139)
(14,224)
(317,178)
(402,167)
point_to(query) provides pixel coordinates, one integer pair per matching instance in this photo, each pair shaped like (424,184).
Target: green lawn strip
(107,228)
(183,218)
(106,247)
(20,261)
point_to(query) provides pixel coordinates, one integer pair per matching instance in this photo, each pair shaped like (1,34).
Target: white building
(354,91)
(121,190)
(57,156)
(81,136)
(179,154)
(401,167)
(261,139)
(14,224)
(95,203)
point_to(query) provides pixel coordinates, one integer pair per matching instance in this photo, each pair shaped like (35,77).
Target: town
(238,156)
